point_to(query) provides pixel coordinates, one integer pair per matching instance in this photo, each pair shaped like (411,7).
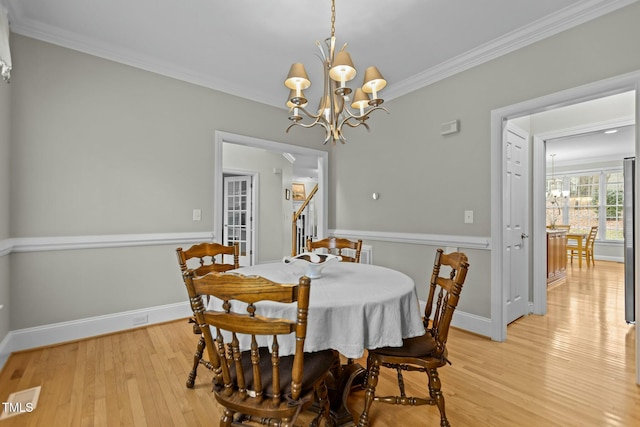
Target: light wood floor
(572,367)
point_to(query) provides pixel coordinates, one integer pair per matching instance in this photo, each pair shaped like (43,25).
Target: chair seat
(421,346)
(316,364)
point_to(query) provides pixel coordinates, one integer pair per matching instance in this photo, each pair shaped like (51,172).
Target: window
(582,206)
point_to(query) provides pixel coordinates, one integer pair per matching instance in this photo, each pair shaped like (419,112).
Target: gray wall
(100,148)
(5,138)
(426,180)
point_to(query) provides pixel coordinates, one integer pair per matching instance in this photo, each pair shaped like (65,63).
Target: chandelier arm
(347,122)
(323,54)
(319,120)
(364,116)
(316,117)
(310,125)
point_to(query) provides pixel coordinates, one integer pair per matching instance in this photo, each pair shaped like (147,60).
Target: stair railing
(299,235)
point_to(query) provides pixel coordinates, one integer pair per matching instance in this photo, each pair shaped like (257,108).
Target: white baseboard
(40,336)
(472,323)
(4,350)
(468,322)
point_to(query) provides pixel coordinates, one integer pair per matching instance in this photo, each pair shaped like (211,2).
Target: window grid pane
(614,206)
(583,203)
(584,207)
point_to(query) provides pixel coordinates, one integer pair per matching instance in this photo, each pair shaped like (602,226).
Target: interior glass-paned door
(237,215)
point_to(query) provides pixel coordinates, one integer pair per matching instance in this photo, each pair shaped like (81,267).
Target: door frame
(321,197)
(611,86)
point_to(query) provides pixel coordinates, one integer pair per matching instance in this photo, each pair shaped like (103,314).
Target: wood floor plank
(574,366)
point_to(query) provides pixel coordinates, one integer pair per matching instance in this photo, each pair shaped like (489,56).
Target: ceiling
(245,47)
(596,146)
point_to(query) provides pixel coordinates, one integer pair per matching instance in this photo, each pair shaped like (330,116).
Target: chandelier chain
(333,18)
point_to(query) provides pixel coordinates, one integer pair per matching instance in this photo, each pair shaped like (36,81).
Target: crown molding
(39,31)
(541,29)
(548,26)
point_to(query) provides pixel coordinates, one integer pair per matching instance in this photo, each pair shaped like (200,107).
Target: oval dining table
(352,307)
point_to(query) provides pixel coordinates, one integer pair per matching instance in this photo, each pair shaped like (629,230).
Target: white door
(516,205)
(237,218)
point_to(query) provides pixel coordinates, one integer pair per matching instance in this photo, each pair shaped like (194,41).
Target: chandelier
(333,110)
(555,186)
(556,195)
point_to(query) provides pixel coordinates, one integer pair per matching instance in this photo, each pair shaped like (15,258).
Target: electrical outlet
(140,320)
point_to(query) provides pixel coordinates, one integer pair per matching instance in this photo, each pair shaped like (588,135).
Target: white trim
(467,242)
(40,336)
(5,349)
(539,229)
(471,323)
(6,245)
(467,322)
(57,243)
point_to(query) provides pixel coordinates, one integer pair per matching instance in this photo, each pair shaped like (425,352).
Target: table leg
(345,378)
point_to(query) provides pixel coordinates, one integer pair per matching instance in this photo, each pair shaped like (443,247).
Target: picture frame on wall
(298,191)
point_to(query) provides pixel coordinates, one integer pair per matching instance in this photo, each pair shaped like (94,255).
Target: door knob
(524,236)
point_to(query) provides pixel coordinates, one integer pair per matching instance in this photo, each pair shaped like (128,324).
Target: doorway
(270,242)
(574,136)
(538,224)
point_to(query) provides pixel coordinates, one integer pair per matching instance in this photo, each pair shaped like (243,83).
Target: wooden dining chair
(427,352)
(205,258)
(587,247)
(336,246)
(257,384)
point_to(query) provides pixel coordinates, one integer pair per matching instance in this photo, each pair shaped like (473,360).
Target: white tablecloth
(352,307)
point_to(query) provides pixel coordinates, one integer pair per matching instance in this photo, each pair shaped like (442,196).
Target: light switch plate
(468,217)
(197,214)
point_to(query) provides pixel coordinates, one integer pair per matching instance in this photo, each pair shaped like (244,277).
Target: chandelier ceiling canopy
(334,107)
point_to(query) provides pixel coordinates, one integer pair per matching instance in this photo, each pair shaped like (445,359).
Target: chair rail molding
(5,246)
(57,243)
(467,242)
